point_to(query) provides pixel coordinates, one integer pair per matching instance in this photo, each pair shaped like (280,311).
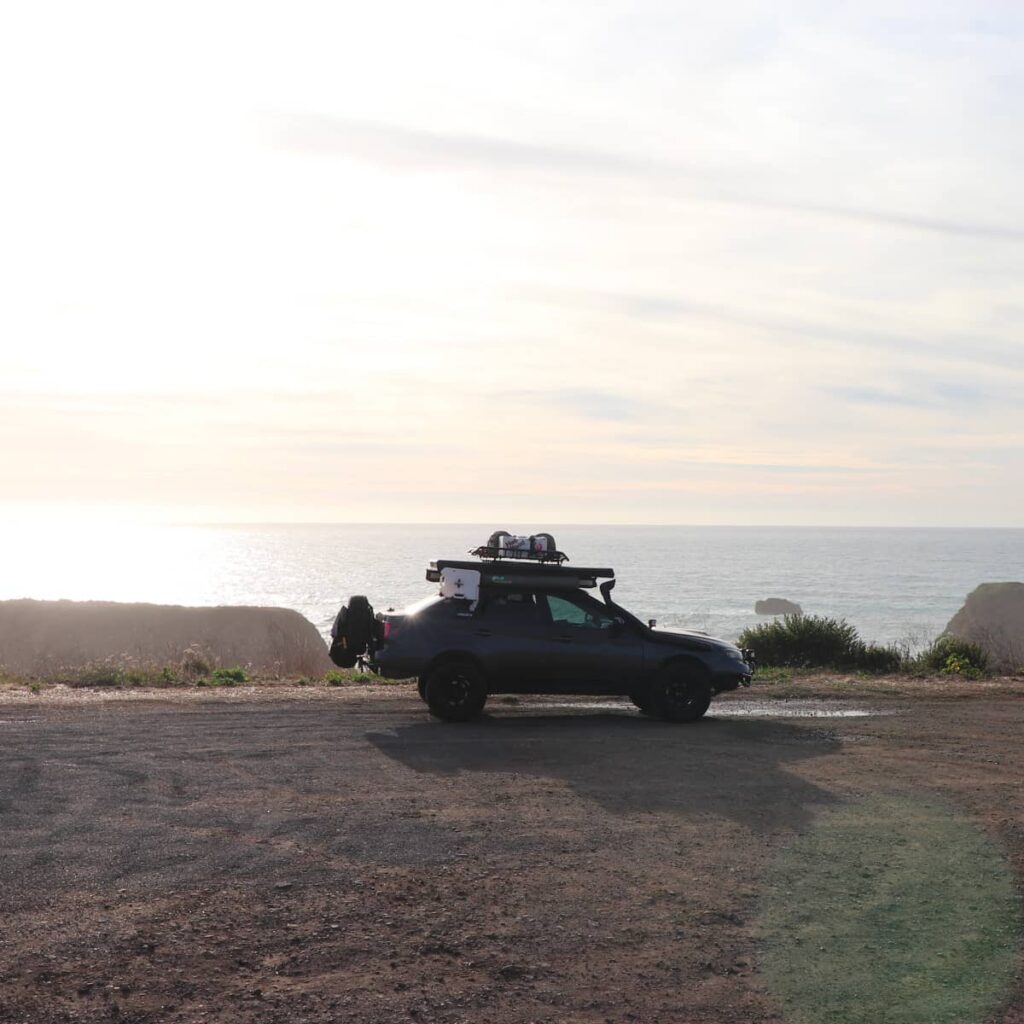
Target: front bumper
(751,662)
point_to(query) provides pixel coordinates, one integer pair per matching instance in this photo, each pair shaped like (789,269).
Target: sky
(524,264)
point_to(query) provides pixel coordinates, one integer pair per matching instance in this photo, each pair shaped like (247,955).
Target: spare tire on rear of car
(352,631)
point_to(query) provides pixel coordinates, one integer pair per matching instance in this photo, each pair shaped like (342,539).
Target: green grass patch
(351,677)
(890,910)
(769,675)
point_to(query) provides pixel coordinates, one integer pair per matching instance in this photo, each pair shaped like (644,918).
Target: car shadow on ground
(736,769)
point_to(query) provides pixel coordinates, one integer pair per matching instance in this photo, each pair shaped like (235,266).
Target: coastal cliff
(42,638)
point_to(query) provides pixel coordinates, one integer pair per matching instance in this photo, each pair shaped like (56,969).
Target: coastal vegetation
(125,673)
(816,641)
(819,642)
(951,655)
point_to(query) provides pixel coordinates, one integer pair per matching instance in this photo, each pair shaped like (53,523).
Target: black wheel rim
(682,694)
(458,690)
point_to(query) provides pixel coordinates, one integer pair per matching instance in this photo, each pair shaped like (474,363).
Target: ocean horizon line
(587,525)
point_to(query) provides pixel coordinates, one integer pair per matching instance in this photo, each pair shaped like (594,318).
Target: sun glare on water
(92,560)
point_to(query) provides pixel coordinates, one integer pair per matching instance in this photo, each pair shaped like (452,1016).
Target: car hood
(693,638)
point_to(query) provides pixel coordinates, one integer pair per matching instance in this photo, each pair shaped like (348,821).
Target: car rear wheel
(455,691)
(681,693)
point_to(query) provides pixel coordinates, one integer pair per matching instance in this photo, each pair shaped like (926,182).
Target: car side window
(512,608)
(565,612)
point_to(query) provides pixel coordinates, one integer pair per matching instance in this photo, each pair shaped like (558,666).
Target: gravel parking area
(339,856)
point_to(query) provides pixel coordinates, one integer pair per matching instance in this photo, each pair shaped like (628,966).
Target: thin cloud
(415,148)
(978,350)
(927,395)
(588,403)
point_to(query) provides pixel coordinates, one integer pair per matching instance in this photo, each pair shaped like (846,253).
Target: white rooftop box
(460,583)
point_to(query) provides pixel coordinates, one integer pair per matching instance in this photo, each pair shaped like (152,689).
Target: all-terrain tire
(455,691)
(352,631)
(681,692)
(359,623)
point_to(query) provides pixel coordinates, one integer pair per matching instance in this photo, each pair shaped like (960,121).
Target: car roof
(525,575)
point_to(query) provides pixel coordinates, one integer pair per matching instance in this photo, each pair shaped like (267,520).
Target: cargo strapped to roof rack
(537,547)
(514,555)
(516,574)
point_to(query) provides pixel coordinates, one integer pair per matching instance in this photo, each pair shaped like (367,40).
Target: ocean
(894,585)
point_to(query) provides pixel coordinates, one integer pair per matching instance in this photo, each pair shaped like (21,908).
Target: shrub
(879,660)
(956,666)
(104,673)
(802,641)
(814,641)
(952,656)
(335,678)
(229,676)
(194,663)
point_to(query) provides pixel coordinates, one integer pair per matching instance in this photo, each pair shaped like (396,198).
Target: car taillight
(390,628)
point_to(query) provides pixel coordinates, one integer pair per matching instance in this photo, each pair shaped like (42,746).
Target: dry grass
(771,684)
(117,678)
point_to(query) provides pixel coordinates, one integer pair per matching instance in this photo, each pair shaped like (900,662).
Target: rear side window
(511,607)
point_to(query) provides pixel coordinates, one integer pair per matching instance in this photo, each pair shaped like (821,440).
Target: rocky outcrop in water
(993,618)
(777,606)
(42,638)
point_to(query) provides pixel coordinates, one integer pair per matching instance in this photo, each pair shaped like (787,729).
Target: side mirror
(651,623)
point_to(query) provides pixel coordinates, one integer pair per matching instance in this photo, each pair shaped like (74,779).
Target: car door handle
(563,639)
(484,632)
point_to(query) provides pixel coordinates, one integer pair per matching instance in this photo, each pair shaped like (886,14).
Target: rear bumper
(394,667)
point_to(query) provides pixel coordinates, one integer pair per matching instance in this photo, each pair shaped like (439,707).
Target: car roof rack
(494,553)
(513,574)
(535,547)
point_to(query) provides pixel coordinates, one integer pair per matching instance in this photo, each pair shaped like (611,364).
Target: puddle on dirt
(731,709)
(789,709)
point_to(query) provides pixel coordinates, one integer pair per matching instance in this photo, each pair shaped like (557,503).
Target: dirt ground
(314,855)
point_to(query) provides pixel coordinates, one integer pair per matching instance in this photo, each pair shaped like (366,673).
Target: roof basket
(537,547)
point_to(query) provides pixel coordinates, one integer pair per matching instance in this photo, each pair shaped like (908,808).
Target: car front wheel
(455,691)
(681,693)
